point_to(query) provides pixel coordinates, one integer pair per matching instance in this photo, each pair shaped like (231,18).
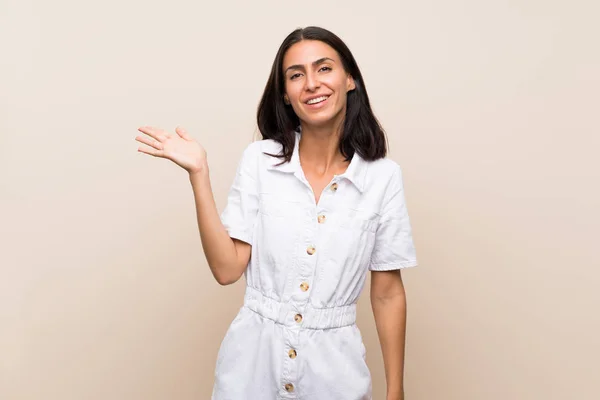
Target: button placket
(321,219)
(290,365)
(302,279)
(304,285)
(298,318)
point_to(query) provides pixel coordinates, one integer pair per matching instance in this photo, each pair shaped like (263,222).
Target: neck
(319,149)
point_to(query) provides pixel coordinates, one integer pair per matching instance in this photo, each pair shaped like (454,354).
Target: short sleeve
(394,247)
(240,212)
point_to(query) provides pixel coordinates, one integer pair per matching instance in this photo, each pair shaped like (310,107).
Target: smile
(317,100)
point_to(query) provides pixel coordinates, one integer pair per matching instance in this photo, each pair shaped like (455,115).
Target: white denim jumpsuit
(295,336)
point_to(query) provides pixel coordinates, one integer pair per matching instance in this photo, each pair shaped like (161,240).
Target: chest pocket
(352,238)
(362,220)
(357,229)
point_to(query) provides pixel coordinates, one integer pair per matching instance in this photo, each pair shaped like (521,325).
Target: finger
(151,151)
(155,133)
(183,133)
(150,142)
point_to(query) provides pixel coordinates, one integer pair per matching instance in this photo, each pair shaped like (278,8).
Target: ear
(350,85)
(286,99)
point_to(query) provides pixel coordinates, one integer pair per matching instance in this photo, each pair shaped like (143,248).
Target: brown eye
(294,76)
(325,69)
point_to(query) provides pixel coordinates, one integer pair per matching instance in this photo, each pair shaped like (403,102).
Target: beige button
(298,318)
(321,219)
(334,186)
(311,250)
(304,286)
(289,387)
(292,353)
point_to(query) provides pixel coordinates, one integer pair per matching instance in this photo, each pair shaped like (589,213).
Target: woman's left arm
(388,301)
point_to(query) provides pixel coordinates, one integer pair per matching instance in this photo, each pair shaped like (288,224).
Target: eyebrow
(314,63)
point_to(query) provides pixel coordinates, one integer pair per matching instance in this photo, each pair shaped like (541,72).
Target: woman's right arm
(227,257)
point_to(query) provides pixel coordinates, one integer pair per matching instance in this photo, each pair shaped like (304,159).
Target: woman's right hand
(180,148)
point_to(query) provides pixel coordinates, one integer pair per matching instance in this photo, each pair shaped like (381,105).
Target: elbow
(226,273)
(395,299)
(226,279)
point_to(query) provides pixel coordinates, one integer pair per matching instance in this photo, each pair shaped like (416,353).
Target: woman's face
(316,83)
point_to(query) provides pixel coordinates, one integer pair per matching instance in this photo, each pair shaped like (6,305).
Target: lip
(317,105)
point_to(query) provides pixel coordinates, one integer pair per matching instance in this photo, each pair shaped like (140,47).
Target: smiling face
(316,83)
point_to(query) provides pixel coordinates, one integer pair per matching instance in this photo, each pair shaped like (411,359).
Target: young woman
(313,207)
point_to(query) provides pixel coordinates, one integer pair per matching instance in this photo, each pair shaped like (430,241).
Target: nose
(312,81)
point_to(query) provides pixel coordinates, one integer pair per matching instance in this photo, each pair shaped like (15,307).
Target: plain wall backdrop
(491,108)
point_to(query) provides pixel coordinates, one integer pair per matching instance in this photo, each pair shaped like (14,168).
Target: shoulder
(255,151)
(263,145)
(383,178)
(384,169)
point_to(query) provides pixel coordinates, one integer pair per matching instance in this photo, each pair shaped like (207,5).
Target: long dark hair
(362,132)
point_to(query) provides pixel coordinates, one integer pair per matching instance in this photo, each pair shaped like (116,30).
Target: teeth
(317,100)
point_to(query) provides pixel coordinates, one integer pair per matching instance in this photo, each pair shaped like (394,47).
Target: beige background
(491,109)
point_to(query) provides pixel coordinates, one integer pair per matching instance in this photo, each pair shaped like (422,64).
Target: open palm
(180,147)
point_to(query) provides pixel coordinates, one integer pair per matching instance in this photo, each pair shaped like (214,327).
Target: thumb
(183,133)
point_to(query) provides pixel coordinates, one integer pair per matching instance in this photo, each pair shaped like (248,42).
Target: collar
(355,172)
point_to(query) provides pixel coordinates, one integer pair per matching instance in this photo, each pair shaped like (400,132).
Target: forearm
(390,320)
(219,248)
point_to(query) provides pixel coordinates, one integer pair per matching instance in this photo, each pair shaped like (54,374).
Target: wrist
(199,172)
(199,179)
